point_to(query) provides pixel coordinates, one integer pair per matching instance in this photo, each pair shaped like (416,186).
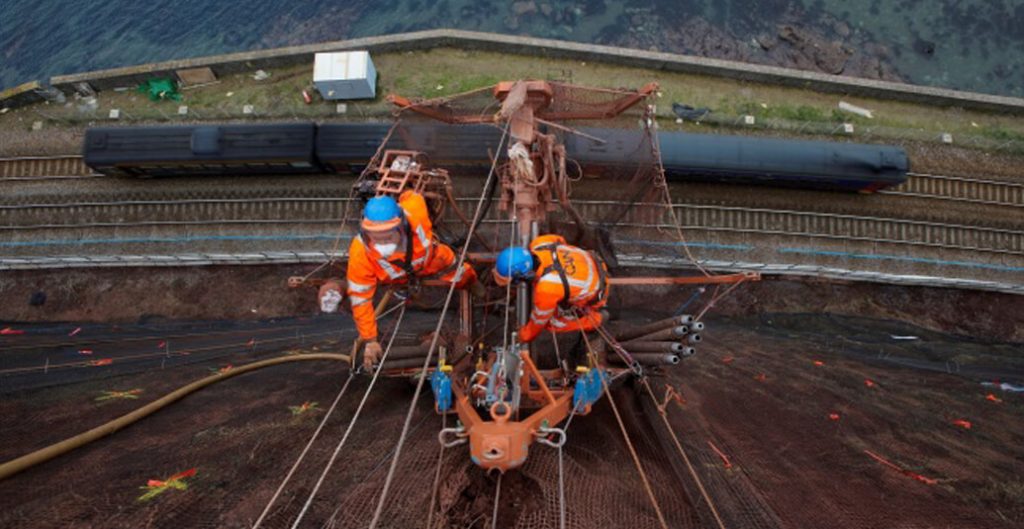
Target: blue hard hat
(514,262)
(381,212)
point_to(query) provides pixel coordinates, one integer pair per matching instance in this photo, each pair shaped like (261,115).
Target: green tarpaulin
(160,88)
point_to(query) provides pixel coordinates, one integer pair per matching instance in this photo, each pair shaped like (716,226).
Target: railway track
(25,221)
(30,168)
(960,189)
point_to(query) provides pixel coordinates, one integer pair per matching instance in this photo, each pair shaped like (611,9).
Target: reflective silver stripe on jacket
(358,287)
(391,271)
(356,301)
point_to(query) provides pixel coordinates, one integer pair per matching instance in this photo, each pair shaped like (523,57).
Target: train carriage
(346,147)
(231,149)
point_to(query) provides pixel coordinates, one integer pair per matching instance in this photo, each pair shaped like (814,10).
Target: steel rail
(734,219)
(960,189)
(43,167)
(43,157)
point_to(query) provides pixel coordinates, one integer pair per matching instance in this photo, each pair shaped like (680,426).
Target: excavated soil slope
(798,398)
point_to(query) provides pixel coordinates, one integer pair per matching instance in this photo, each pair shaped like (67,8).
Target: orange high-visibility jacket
(366,267)
(584,282)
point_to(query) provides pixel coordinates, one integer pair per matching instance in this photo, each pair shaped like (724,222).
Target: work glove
(371,355)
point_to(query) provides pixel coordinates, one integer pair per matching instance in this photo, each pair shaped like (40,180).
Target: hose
(42,455)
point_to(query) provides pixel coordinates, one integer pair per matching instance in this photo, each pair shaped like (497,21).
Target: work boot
(477,290)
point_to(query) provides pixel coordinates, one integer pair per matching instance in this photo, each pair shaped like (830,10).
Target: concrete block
(37,125)
(247,109)
(342,108)
(749,120)
(848,128)
(183,110)
(947,138)
(115,113)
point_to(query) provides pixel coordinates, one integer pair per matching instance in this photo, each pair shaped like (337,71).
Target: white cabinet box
(345,75)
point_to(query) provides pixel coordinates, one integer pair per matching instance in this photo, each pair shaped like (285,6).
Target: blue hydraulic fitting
(441,383)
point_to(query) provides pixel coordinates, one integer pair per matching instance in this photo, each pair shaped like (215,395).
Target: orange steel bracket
(405,103)
(531,368)
(501,443)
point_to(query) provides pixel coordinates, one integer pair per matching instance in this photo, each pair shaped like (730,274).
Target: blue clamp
(441,384)
(588,389)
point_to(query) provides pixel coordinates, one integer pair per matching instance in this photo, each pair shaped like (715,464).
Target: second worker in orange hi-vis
(396,242)
(570,285)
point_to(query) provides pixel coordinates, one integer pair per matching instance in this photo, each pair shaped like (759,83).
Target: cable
(679,446)
(351,197)
(497,499)
(433,343)
(625,433)
(437,476)
(351,423)
(45,454)
(663,183)
(277,493)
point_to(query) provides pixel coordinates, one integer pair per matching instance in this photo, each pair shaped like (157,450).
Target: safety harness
(556,266)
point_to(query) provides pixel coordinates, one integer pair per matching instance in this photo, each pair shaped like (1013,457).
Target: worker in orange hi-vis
(570,285)
(396,242)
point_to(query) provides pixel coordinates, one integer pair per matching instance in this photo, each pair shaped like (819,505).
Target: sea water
(969,44)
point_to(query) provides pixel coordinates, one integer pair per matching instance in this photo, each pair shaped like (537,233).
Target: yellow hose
(45,454)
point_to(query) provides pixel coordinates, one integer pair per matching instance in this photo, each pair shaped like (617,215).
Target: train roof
(105,145)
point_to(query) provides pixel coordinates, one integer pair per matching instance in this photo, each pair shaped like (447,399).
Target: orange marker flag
(993,398)
(102,362)
(154,487)
(761,377)
(869,383)
(918,477)
(727,360)
(819,363)
(725,458)
(963,423)
(7,331)
(833,416)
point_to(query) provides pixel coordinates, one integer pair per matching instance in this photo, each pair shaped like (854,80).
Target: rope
(561,474)
(625,434)
(277,493)
(437,477)
(718,297)
(351,195)
(662,182)
(433,342)
(351,423)
(497,498)
(686,459)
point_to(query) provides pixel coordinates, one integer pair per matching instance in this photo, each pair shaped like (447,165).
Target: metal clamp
(542,436)
(459,433)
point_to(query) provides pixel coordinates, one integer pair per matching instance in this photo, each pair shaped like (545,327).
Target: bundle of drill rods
(407,356)
(663,342)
